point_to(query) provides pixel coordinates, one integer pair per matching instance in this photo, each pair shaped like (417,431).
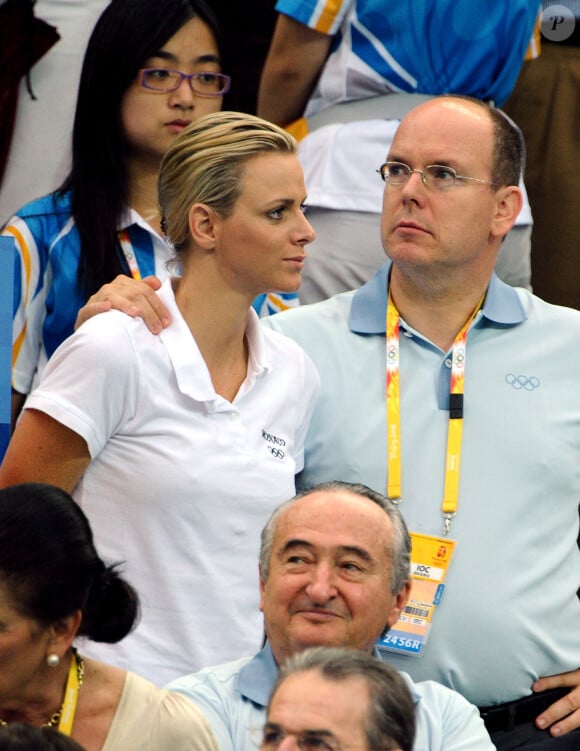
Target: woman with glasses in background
(151,68)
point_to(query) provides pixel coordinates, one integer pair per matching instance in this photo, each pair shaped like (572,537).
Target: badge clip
(447,523)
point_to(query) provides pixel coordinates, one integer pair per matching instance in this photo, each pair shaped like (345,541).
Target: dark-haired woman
(54,587)
(21,737)
(103,220)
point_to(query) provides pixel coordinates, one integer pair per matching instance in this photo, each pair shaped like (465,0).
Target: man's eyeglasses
(433,175)
(202,84)
(272,737)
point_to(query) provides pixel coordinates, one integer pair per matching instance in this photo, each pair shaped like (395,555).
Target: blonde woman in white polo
(179,446)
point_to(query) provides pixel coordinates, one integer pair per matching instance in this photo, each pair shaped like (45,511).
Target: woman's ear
(63,632)
(202,224)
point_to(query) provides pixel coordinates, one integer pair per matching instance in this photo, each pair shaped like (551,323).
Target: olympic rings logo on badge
(519,382)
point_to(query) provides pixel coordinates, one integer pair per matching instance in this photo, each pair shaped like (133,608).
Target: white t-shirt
(181,480)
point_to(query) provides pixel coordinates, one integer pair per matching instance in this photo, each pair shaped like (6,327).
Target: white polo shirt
(181,480)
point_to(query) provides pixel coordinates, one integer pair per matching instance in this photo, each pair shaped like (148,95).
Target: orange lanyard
(129,254)
(455,429)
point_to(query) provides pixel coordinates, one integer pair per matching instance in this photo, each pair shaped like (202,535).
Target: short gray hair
(399,553)
(509,148)
(390,723)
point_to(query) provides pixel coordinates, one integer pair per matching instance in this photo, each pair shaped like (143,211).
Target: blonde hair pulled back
(205,164)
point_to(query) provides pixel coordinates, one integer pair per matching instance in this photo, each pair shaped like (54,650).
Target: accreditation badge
(430,557)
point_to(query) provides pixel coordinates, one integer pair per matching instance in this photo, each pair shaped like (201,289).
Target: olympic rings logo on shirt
(276,453)
(274,444)
(518,382)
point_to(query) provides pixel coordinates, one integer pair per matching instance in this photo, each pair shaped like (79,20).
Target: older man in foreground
(334,571)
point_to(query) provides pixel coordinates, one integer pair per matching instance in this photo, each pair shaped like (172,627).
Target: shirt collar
(130,217)
(259,360)
(193,380)
(256,679)
(369,304)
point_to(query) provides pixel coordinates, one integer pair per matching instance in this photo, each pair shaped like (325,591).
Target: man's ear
(262,589)
(63,632)
(509,201)
(202,225)
(401,599)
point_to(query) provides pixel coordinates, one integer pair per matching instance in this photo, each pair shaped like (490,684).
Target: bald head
(506,146)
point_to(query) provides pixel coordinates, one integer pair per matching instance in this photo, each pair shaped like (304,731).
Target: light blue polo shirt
(234,697)
(510,612)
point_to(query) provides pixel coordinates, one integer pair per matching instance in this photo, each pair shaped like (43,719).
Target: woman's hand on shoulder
(130,296)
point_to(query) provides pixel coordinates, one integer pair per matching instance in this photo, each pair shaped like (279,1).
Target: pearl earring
(52,660)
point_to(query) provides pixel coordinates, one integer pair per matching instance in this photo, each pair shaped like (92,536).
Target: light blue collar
(256,679)
(502,304)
